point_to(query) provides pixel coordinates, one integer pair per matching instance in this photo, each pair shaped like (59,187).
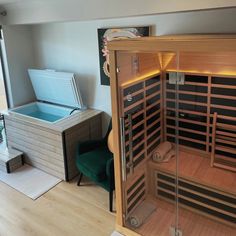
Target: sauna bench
(203,189)
(52,147)
(197,168)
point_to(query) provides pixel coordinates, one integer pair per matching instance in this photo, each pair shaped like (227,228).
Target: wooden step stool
(10,159)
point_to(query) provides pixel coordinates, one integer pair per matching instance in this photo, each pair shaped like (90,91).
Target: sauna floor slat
(190,223)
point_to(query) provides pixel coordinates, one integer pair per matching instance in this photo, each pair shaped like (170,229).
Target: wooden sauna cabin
(180,89)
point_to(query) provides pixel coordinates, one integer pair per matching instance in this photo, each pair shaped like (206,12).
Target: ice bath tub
(45,131)
(42,111)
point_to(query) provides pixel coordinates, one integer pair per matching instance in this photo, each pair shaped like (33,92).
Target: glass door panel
(206,126)
(148,150)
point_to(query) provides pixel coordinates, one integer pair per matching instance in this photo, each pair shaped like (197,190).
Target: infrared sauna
(174,124)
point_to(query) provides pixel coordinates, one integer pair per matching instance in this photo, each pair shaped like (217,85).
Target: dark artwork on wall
(108,34)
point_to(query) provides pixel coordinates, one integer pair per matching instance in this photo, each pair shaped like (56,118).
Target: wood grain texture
(199,170)
(205,62)
(213,139)
(10,159)
(198,55)
(189,43)
(115,99)
(190,223)
(49,149)
(60,126)
(31,141)
(64,210)
(147,62)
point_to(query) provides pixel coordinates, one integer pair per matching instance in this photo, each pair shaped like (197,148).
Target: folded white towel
(169,155)
(141,213)
(161,151)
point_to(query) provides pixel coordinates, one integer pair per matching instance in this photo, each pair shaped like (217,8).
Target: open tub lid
(56,87)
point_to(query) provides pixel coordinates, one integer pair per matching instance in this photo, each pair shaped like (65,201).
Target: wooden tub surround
(52,146)
(180,89)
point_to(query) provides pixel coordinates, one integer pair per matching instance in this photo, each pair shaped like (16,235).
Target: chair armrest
(90,145)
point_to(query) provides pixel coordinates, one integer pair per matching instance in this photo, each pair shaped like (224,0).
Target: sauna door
(201,120)
(141,83)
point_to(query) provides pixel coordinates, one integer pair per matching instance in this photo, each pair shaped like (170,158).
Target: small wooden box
(10,160)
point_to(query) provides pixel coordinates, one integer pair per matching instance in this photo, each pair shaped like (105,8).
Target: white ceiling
(2,2)
(9,1)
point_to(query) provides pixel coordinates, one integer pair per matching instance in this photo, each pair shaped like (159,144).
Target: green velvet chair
(95,161)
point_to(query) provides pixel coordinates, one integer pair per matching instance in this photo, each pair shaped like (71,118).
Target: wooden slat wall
(154,122)
(192,112)
(142,100)
(133,105)
(76,118)
(140,96)
(95,127)
(205,200)
(201,96)
(135,191)
(44,148)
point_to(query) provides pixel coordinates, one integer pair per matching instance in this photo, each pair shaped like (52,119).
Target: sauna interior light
(141,77)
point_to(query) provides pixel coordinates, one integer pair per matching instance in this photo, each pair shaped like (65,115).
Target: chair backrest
(108,130)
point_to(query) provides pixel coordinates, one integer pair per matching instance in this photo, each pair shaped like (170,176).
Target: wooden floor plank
(71,210)
(65,210)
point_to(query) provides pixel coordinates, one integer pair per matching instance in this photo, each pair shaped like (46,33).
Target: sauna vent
(203,199)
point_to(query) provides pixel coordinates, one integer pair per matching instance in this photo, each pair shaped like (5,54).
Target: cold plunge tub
(45,131)
(42,111)
(57,95)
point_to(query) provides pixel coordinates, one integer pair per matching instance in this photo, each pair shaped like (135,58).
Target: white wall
(74,47)
(19,57)
(26,12)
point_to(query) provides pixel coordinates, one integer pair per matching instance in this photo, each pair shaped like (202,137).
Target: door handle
(130,164)
(123,156)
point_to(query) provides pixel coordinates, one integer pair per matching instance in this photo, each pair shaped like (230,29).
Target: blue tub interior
(52,87)
(45,116)
(42,111)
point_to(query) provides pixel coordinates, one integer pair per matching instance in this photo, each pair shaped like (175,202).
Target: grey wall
(19,56)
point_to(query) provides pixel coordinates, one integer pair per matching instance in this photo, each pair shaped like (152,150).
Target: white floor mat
(29,181)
